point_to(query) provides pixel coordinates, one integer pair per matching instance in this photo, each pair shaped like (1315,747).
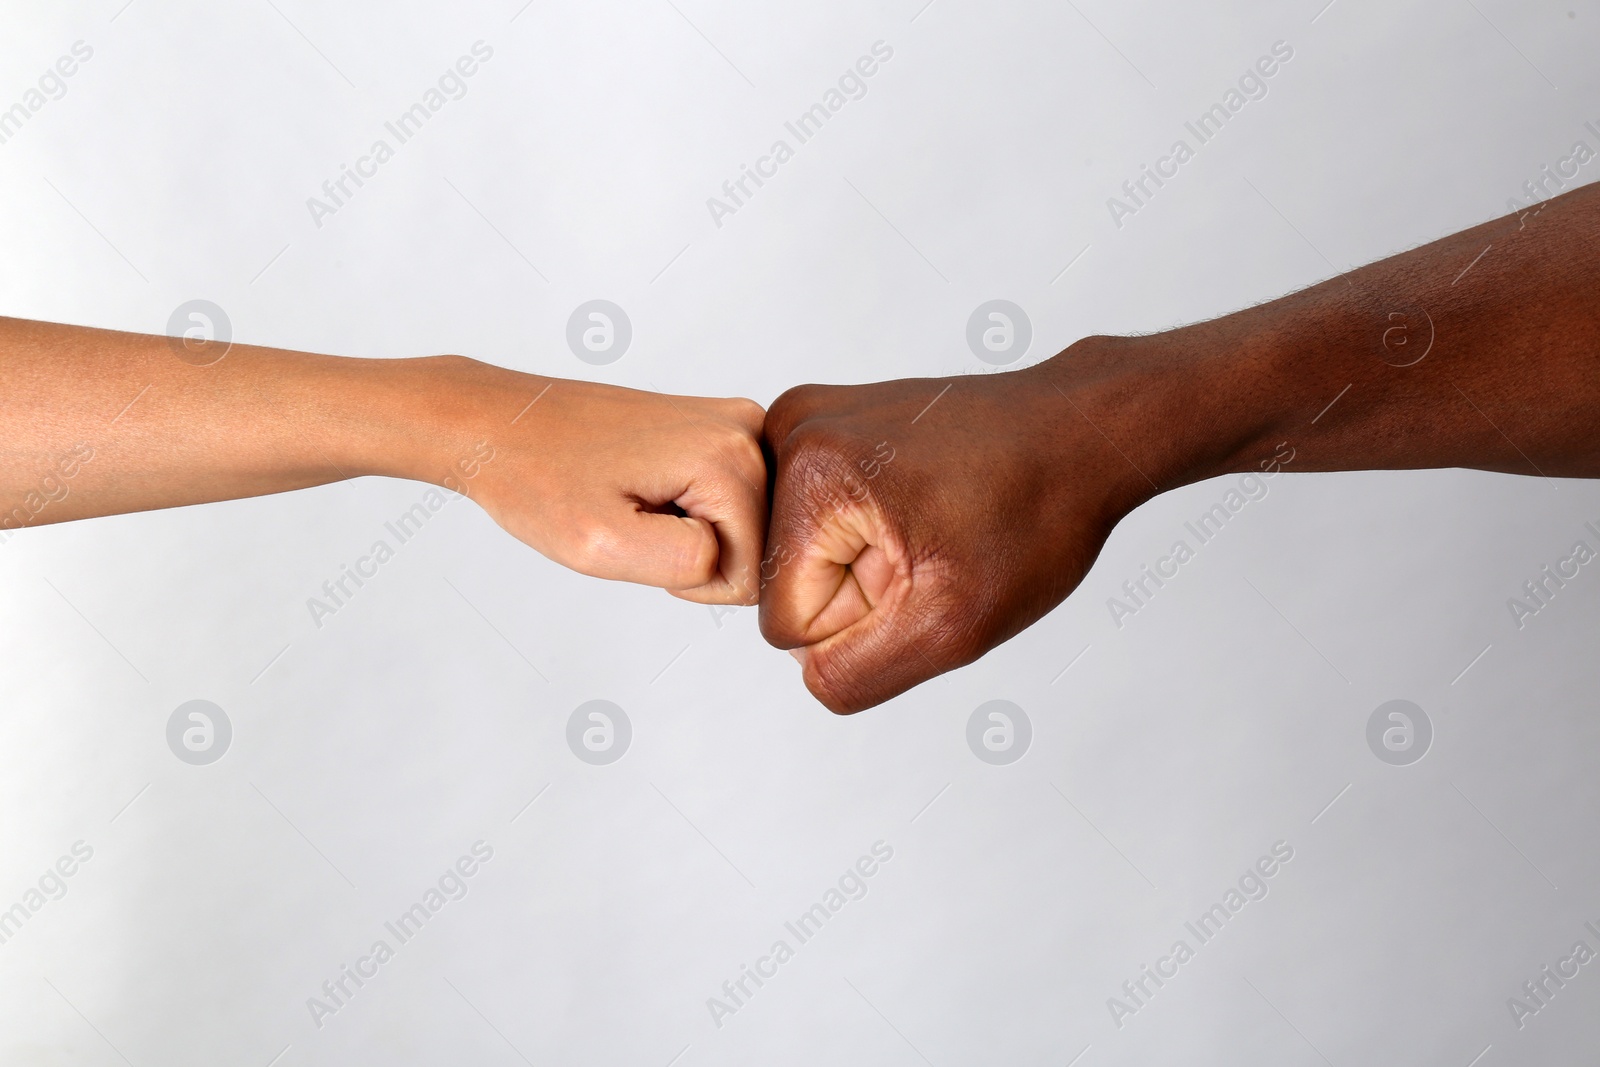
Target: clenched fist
(617,483)
(916,524)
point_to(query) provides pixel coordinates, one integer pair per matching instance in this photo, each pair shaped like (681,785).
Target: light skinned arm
(616,483)
(1479,350)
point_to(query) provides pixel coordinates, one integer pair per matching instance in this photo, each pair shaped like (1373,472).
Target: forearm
(98,422)
(614,482)
(1444,356)
(1000,497)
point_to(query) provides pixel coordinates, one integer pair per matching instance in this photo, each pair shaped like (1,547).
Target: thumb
(654,548)
(837,589)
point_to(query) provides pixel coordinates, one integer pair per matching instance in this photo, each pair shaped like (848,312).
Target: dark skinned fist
(917,524)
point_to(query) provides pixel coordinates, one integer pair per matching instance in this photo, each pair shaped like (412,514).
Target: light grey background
(370,753)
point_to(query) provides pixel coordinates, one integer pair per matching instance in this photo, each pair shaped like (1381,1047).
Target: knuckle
(734,438)
(749,462)
(794,398)
(791,409)
(733,458)
(819,469)
(593,547)
(747,413)
(815,449)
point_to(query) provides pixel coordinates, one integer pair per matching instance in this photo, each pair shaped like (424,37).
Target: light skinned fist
(618,483)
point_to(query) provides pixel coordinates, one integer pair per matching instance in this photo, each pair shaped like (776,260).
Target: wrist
(1179,408)
(429,419)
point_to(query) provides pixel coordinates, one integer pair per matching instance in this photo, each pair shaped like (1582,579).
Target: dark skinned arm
(1480,350)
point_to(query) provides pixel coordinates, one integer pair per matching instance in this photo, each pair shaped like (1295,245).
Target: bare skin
(612,482)
(1480,350)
